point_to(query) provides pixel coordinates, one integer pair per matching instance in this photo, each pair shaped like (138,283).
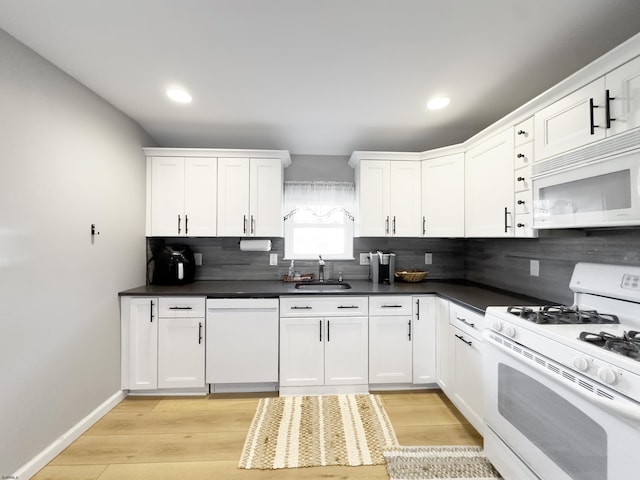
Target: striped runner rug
(308,431)
(433,463)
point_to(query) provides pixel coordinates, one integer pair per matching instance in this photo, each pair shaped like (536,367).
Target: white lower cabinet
(423,337)
(390,347)
(162,343)
(444,360)
(323,344)
(465,354)
(242,344)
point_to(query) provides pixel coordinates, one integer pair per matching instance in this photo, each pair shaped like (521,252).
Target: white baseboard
(38,462)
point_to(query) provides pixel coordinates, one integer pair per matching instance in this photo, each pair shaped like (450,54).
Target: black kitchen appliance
(382,267)
(173,265)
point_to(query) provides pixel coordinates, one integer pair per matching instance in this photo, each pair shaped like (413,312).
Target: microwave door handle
(180,271)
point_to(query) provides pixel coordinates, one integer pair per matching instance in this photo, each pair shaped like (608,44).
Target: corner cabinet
(323,345)
(443,196)
(250,197)
(489,187)
(389,194)
(163,344)
(181,196)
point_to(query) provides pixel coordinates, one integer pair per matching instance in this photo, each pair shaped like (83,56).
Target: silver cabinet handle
(348,306)
(386,225)
(390,306)
(181,308)
(409,330)
(253,226)
(417,309)
(179,219)
(199,333)
(295,307)
(394,225)
(186,224)
(244,224)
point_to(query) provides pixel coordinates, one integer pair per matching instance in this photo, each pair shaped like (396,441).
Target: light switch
(534,268)
(273,259)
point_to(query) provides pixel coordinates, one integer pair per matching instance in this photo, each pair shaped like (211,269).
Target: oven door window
(574,442)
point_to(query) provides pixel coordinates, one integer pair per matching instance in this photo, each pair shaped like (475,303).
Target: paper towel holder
(255,245)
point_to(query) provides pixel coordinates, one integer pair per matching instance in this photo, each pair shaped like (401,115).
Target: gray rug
(431,463)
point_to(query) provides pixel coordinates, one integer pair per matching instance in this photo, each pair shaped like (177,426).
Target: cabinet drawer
(523,203)
(522,179)
(523,132)
(524,225)
(312,306)
(523,155)
(171,307)
(470,322)
(390,305)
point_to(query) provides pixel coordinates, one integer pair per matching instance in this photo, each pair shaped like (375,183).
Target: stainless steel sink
(322,286)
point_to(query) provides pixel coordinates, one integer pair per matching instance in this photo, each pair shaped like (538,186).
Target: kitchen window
(318,220)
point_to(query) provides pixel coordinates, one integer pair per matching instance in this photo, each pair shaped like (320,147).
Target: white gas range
(562,385)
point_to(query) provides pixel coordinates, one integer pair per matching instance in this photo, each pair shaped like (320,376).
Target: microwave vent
(591,153)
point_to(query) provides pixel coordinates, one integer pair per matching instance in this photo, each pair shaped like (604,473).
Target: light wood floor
(165,438)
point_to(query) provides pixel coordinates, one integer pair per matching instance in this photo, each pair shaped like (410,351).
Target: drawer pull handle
(521,155)
(521,132)
(390,306)
(521,202)
(301,308)
(348,306)
(180,308)
(466,322)
(465,341)
(521,225)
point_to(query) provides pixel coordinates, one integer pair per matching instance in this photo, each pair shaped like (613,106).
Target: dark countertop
(472,295)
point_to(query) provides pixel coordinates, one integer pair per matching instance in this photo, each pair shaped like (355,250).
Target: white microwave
(579,192)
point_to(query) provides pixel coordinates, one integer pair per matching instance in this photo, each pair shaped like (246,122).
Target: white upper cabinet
(181,197)
(605,107)
(489,187)
(623,85)
(250,197)
(443,196)
(389,198)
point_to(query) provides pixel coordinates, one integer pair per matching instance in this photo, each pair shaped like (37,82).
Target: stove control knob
(607,375)
(581,363)
(509,331)
(497,326)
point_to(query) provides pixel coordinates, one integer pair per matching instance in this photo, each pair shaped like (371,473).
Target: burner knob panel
(509,331)
(581,363)
(607,375)
(497,326)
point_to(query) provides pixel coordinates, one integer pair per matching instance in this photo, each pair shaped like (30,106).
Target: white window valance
(320,199)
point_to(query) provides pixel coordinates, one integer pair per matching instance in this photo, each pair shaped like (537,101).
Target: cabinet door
(265,197)
(242,341)
(200,197)
(566,123)
(405,199)
(624,88)
(444,354)
(424,340)
(301,352)
(181,352)
(467,361)
(141,354)
(233,197)
(373,202)
(489,187)
(346,351)
(443,196)
(390,353)
(167,196)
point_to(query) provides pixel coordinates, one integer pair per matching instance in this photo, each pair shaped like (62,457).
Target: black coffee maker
(173,265)
(382,266)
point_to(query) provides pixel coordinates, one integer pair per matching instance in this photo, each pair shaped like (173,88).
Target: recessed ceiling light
(438,103)
(179,95)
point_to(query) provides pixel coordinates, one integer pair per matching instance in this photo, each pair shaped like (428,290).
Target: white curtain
(319,198)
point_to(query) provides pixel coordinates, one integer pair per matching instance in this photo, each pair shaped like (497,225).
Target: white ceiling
(319,77)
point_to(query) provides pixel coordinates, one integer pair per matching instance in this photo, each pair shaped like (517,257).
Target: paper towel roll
(255,245)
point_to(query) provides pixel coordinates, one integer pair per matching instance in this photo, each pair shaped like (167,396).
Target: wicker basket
(411,275)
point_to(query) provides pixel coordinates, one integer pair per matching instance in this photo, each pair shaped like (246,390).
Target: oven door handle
(620,407)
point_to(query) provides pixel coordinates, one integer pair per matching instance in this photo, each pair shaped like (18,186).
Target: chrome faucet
(320,269)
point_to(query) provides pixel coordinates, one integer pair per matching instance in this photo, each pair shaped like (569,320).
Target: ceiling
(319,77)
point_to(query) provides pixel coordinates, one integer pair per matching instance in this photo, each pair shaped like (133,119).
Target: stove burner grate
(628,344)
(559,314)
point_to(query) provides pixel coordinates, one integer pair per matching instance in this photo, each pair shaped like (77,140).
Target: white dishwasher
(242,344)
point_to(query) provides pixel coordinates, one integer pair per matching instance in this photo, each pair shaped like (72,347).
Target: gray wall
(67,159)
(327,168)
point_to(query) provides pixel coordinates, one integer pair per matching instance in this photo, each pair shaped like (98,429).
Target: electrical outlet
(534,268)
(364,259)
(428,258)
(273,259)
(197,257)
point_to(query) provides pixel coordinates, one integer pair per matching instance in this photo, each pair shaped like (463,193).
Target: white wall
(67,159)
